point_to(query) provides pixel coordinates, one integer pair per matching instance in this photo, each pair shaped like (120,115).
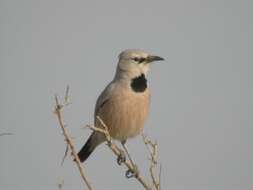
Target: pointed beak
(152,58)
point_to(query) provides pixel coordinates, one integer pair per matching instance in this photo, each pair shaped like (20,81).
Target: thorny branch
(58,108)
(116,150)
(152,148)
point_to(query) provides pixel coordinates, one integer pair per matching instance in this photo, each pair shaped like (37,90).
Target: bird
(123,105)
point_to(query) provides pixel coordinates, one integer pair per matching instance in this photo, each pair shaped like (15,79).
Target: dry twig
(152,149)
(58,108)
(65,154)
(3,134)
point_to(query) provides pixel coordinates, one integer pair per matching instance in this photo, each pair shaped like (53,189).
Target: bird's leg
(122,157)
(134,171)
(126,150)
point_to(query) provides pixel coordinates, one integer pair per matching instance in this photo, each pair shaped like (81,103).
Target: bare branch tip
(3,134)
(66,98)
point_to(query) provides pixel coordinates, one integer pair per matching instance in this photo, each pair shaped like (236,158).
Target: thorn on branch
(65,154)
(66,98)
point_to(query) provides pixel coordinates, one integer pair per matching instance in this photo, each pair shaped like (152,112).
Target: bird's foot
(122,157)
(109,143)
(133,172)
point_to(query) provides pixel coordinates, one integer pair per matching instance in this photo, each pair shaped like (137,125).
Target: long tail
(94,140)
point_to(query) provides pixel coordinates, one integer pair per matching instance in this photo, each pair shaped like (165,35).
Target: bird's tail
(94,140)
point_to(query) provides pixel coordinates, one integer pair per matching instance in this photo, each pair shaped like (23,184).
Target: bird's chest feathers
(139,84)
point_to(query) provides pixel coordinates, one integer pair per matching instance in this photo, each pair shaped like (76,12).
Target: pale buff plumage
(122,108)
(125,111)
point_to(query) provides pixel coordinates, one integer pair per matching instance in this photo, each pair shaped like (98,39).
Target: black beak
(152,58)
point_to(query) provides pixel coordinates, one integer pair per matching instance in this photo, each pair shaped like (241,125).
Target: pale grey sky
(202,105)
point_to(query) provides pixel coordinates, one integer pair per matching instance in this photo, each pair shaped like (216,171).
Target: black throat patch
(139,84)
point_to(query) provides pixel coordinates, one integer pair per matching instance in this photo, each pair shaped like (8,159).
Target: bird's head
(136,62)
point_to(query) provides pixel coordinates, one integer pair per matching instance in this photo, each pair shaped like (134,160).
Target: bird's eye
(139,59)
(142,60)
(136,59)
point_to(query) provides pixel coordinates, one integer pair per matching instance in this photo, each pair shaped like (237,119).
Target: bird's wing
(104,97)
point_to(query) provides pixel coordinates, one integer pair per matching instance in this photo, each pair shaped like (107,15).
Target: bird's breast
(125,112)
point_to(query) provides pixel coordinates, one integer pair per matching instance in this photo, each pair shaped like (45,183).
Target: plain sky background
(202,95)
